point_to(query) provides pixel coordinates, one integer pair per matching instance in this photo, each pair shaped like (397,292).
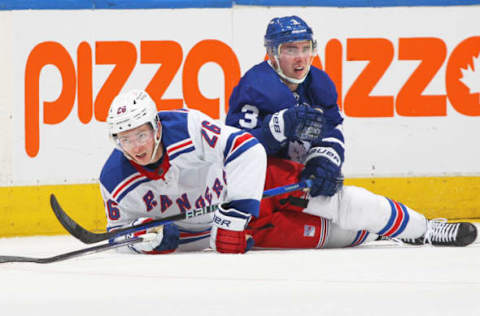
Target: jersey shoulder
(262,87)
(321,87)
(116,169)
(119,177)
(175,135)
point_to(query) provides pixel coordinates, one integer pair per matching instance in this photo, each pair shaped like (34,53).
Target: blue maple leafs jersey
(261,92)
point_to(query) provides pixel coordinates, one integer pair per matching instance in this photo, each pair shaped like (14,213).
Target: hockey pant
(349,218)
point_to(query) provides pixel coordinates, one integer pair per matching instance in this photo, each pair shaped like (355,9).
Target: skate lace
(438,230)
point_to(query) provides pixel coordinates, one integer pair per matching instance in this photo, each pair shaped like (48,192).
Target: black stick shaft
(89,237)
(72,254)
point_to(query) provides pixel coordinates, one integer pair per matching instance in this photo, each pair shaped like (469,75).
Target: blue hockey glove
(158,240)
(310,123)
(228,231)
(296,123)
(323,167)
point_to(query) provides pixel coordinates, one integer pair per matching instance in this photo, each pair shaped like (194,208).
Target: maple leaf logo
(471,75)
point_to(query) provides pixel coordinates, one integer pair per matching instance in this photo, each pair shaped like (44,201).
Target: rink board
(411,126)
(27,211)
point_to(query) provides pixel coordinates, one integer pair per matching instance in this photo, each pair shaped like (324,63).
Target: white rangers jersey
(204,163)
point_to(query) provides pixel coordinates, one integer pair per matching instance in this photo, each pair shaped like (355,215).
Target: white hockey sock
(354,208)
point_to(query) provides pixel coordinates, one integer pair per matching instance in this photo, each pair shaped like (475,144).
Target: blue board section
(111,4)
(356,3)
(178,4)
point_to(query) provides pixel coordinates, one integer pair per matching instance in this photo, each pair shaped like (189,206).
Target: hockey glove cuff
(323,167)
(228,231)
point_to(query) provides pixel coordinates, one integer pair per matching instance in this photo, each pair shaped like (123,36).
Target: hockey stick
(89,237)
(61,215)
(72,254)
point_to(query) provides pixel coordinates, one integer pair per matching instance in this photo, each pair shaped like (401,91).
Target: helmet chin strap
(157,143)
(155,148)
(279,71)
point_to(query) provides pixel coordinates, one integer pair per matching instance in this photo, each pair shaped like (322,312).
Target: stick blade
(71,226)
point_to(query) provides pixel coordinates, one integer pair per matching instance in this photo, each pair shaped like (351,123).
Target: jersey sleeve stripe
(189,240)
(125,183)
(179,148)
(178,153)
(128,185)
(132,187)
(237,144)
(187,236)
(239,141)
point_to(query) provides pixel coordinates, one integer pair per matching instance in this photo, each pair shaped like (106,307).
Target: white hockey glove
(157,240)
(228,231)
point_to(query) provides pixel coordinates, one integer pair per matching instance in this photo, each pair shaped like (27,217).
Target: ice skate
(441,233)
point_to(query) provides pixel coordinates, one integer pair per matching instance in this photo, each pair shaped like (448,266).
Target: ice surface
(380,278)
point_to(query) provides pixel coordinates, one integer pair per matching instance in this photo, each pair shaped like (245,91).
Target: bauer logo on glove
(228,231)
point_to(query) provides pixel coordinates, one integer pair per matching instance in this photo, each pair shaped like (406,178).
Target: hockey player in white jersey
(168,162)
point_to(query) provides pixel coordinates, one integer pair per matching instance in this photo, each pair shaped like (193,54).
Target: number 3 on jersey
(211,140)
(250,119)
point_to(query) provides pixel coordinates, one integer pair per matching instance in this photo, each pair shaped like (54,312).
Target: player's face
(295,58)
(139,143)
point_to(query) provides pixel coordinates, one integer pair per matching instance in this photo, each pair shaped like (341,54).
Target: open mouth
(140,156)
(299,69)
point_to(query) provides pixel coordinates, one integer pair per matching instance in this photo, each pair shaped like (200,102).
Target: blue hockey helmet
(287,29)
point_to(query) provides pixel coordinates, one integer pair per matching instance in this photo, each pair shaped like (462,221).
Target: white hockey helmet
(130,110)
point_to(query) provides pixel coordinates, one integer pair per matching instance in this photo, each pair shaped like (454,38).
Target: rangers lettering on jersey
(199,155)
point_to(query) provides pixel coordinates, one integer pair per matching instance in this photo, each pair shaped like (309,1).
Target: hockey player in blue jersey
(287,103)
(168,162)
(291,107)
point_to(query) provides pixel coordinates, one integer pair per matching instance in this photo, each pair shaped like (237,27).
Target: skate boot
(441,233)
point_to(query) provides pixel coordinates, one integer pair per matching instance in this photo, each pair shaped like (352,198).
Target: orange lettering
(84,67)
(202,53)
(169,54)
(463,94)
(124,56)
(410,101)
(317,62)
(333,66)
(54,112)
(358,102)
